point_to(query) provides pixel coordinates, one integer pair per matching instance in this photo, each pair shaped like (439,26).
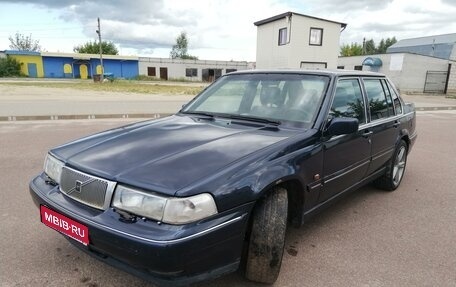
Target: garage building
(425,64)
(189,70)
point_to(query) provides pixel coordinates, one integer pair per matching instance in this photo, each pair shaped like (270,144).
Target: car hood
(167,154)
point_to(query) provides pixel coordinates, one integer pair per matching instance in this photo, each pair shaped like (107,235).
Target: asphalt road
(370,238)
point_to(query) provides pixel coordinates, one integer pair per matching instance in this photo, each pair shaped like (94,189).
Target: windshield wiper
(205,114)
(252,119)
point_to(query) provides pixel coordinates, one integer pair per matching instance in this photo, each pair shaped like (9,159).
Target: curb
(81,117)
(435,108)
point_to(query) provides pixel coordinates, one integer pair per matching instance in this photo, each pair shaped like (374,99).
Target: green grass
(119,86)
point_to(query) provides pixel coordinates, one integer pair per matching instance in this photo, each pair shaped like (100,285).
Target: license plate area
(64,225)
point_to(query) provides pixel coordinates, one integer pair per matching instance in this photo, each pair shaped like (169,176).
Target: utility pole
(101,50)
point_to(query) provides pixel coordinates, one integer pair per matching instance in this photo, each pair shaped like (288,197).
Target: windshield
(275,97)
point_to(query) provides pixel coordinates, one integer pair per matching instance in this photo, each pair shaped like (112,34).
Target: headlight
(53,168)
(169,210)
(139,203)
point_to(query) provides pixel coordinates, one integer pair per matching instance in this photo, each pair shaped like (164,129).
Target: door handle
(367,134)
(396,124)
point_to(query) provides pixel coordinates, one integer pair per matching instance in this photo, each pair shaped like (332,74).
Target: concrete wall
(406,71)
(177,67)
(270,54)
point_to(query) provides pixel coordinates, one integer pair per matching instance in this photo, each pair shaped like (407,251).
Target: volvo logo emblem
(79,185)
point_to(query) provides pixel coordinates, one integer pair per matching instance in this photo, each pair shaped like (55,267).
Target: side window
(348,100)
(282,36)
(396,100)
(389,100)
(378,105)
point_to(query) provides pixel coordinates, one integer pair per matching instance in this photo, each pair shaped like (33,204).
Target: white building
(190,70)
(424,64)
(292,40)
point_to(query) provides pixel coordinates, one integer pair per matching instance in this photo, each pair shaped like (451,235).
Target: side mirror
(342,126)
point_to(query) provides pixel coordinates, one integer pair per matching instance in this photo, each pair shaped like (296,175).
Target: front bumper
(161,253)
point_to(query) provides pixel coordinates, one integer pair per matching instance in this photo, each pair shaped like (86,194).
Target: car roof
(324,72)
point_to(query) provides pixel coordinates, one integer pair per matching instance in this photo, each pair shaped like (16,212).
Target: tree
(385,44)
(24,43)
(180,49)
(108,48)
(369,47)
(10,67)
(389,42)
(354,49)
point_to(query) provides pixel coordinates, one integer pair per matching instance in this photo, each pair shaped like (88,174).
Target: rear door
(384,125)
(346,157)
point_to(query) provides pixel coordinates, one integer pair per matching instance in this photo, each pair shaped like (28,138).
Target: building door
(210,75)
(163,73)
(151,72)
(83,71)
(435,82)
(32,72)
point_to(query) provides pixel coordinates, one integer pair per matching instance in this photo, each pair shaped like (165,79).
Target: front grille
(89,190)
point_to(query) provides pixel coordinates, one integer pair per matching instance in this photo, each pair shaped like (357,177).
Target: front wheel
(267,237)
(395,169)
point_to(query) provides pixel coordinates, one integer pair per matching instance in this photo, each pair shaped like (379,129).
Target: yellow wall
(26,59)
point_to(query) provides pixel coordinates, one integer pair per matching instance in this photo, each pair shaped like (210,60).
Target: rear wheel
(267,237)
(395,169)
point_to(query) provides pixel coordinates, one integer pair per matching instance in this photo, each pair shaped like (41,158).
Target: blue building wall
(120,68)
(53,67)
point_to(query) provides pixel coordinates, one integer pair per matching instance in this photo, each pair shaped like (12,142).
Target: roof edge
(289,13)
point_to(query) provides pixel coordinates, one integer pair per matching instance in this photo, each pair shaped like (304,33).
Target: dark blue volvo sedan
(189,197)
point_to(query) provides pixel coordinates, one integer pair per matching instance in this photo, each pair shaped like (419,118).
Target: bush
(10,67)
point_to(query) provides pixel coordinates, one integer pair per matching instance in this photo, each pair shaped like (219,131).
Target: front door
(83,71)
(346,157)
(163,73)
(32,72)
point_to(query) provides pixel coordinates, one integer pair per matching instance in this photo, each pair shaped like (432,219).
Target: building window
(151,71)
(316,37)
(340,67)
(191,72)
(230,70)
(358,68)
(282,36)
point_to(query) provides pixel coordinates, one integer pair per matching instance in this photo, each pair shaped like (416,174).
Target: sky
(216,29)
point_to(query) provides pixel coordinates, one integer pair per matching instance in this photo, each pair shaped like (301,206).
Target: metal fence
(435,82)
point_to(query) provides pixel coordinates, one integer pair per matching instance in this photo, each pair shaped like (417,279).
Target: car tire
(267,237)
(395,169)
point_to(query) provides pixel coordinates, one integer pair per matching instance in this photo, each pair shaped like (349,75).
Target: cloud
(220,29)
(347,5)
(449,2)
